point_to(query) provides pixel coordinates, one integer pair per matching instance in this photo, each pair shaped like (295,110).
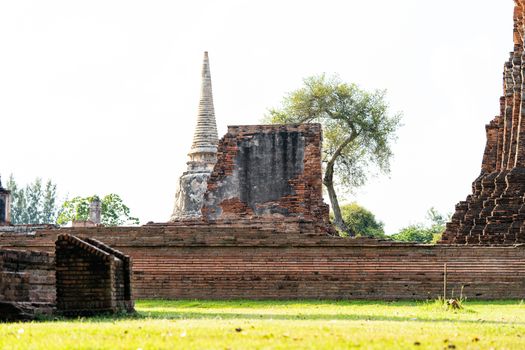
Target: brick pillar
(95,210)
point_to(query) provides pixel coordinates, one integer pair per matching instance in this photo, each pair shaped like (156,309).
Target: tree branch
(341,148)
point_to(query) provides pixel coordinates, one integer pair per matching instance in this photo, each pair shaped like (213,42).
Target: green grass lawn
(282,325)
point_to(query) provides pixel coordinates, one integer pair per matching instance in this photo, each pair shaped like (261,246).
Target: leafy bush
(414,233)
(361,222)
(424,233)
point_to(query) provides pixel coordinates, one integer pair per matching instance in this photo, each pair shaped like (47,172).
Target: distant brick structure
(495,211)
(91,277)
(27,284)
(94,215)
(268,173)
(5,205)
(5,217)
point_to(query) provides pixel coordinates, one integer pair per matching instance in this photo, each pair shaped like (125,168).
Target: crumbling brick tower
(495,211)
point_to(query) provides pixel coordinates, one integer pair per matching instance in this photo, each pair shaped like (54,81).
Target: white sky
(101,96)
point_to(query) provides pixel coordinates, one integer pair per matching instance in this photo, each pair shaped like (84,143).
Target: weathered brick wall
(91,277)
(27,280)
(268,172)
(495,211)
(27,276)
(189,262)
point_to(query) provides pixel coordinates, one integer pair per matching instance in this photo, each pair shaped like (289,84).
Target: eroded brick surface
(268,173)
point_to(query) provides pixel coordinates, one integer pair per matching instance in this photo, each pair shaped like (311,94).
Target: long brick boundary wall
(224,263)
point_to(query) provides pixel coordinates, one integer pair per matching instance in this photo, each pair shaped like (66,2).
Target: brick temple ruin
(495,211)
(249,222)
(264,174)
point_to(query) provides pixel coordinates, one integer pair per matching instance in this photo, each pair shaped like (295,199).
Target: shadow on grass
(159,315)
(309,317)
(187,310)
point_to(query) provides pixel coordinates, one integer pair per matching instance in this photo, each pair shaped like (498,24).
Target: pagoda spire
(205,138)
(202,156)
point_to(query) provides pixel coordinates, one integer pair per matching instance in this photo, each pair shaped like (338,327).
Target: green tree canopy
(358,131)
(113,211)
(361,221)
(36,203)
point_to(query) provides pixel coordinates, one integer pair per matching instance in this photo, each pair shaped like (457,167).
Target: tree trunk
(328,181)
